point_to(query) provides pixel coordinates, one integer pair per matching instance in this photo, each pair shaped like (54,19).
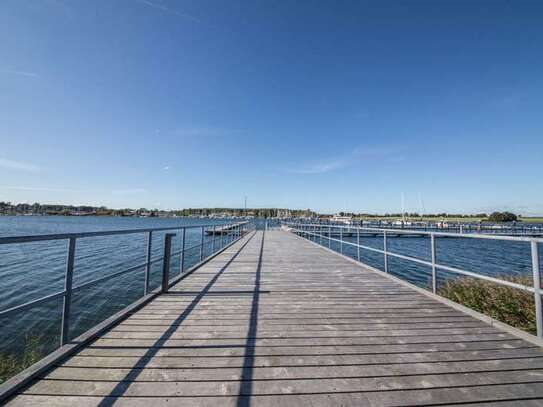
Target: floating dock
(275,320)
(221,230)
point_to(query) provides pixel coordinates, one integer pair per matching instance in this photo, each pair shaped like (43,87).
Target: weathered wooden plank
(172,361)
(373,349)
(280,386)
(296,372)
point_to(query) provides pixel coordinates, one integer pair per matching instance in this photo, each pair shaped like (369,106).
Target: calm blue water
(32,270)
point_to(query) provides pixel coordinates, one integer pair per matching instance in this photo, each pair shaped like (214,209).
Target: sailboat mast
(403,209)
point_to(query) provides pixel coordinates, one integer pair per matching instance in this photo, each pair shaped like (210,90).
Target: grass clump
(11,364)
(506,304)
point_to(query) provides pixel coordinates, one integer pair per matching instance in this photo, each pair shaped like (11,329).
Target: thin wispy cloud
(39,189)
(205,132)
(357,155)
(166,168)
(168,10)
(26,74)
(129,191)
(18,165)
(321,167)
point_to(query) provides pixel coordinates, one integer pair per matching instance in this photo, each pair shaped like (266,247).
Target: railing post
(329,236)
(341,239)
(434,272)
(385,250)
(202,245)
(67,300)
(166,263)
(213,241)
(537,288)
(320,233)
(148,263)
(222,236)
(358,242)
(183,236)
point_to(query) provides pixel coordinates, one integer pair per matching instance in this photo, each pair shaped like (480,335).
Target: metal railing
(515,229)
(325,232)
(227,233)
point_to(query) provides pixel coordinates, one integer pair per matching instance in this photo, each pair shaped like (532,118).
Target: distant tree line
(7,208)
(502,217)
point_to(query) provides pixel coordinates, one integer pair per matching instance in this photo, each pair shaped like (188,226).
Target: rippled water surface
(32,270)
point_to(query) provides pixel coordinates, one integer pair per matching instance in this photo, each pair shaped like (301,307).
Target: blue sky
(327,105)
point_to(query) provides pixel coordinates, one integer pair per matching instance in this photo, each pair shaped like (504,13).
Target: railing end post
(67,299)
(538,293)
(166,263)
(434,270)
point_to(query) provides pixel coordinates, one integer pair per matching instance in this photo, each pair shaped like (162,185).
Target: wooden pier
(275,320)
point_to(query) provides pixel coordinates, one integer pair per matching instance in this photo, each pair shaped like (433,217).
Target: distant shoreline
(411,219)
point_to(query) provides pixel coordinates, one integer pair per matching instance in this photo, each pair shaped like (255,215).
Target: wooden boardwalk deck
(277,321)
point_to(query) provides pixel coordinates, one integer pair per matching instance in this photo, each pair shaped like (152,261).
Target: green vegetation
(506,304)
(532,219)
(11,364)
(502,217)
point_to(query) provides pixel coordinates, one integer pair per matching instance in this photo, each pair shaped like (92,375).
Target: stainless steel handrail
(326,230)
(63,236)
(235,230)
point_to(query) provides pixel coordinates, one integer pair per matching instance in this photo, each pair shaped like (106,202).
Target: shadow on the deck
(246,385)
(119,390)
